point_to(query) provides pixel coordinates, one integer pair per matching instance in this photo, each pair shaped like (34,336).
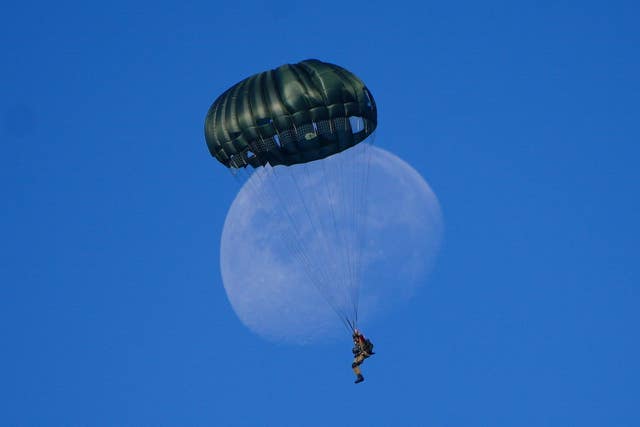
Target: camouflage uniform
(360,353)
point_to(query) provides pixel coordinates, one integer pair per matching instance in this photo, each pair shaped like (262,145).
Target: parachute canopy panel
(293,114)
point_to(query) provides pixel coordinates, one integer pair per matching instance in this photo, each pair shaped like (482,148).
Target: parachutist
(362,349)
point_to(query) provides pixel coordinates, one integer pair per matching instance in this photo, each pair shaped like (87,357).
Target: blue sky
(523,117)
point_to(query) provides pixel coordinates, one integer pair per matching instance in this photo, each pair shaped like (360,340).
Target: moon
(299,241)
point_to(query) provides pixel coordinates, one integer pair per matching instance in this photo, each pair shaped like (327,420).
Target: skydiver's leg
(356,364)
(356,369)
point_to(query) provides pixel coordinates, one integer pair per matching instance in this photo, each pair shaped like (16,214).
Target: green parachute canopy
(296,113)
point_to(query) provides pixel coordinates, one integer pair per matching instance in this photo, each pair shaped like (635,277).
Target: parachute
(305,127)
